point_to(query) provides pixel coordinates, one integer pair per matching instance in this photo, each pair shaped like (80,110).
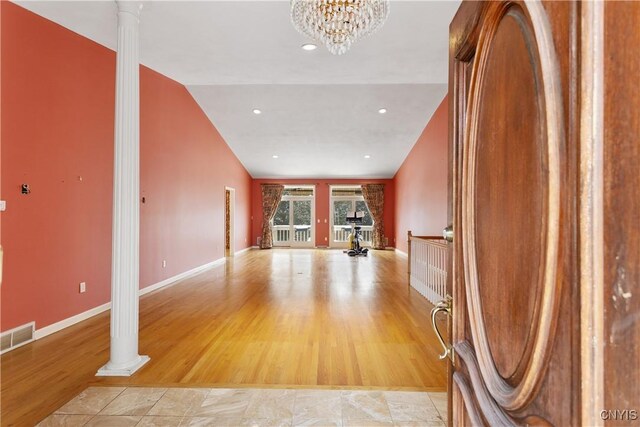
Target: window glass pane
(282,214)
(340,210)
(361,206)
(302,220)
(302,212)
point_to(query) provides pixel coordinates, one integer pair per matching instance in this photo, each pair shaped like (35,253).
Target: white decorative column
(125,264)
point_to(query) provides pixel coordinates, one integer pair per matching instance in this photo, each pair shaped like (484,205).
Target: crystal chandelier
(338,23)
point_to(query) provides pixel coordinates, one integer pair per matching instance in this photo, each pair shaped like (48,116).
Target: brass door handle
(447,233)
(444,305)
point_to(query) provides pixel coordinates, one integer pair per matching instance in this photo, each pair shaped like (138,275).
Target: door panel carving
(510,201)
(509,191)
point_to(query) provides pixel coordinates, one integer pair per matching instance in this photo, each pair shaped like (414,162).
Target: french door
(343,201)
(293,223)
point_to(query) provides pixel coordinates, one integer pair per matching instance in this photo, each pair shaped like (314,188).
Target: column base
(106,371)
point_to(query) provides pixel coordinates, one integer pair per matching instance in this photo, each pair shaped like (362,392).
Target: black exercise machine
(355,238)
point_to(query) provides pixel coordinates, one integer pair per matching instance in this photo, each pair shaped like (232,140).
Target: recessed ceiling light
(382,111)
(256,111)
(275,156)
(366,156)
(309,46)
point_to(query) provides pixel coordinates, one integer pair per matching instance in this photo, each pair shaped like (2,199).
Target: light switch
(3,205)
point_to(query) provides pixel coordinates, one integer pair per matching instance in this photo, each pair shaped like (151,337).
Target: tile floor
(142,406)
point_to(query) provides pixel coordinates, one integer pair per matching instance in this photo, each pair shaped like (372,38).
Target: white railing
(341,233)
(282,234)
(428,266)
(301,233)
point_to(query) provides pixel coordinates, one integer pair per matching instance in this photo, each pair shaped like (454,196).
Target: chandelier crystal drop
(338,23)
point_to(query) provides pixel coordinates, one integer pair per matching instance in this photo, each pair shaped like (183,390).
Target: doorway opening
(229,234)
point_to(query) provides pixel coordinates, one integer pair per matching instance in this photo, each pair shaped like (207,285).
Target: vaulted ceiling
(319,111)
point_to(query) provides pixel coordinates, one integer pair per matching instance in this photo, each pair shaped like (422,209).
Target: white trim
(246,250)
(70,321)
(402,253)
(105,371)
(300,186)
(178,277)
(344,186)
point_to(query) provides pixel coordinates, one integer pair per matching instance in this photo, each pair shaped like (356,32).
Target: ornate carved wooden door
(512,203)
(544,206)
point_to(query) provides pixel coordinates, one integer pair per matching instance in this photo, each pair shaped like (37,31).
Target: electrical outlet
(164,263)
(83,287)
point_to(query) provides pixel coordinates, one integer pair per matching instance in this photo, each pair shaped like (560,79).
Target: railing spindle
(427,266)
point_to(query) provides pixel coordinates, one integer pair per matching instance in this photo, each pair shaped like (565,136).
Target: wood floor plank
(294,318)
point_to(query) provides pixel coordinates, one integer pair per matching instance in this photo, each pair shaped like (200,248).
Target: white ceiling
(319,110)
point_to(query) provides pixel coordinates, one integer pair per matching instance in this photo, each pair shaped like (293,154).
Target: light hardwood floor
(293,318)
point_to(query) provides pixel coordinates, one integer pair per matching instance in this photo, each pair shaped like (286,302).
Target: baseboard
(245,250)
(403,253)
(70,321)
(177,277)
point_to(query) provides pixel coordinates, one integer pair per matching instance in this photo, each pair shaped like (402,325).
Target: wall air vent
(16,337)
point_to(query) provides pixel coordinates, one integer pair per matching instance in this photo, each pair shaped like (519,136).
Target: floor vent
(16,337)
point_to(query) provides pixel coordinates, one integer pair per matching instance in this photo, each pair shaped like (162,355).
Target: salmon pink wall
(57,126)
(57,136)
(322,205)
(185,166)
(0,150)
(421,182)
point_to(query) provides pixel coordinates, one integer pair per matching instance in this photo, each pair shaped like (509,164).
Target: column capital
(130,6)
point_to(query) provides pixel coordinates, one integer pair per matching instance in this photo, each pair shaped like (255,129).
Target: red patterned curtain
(271,195)
(374,197)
